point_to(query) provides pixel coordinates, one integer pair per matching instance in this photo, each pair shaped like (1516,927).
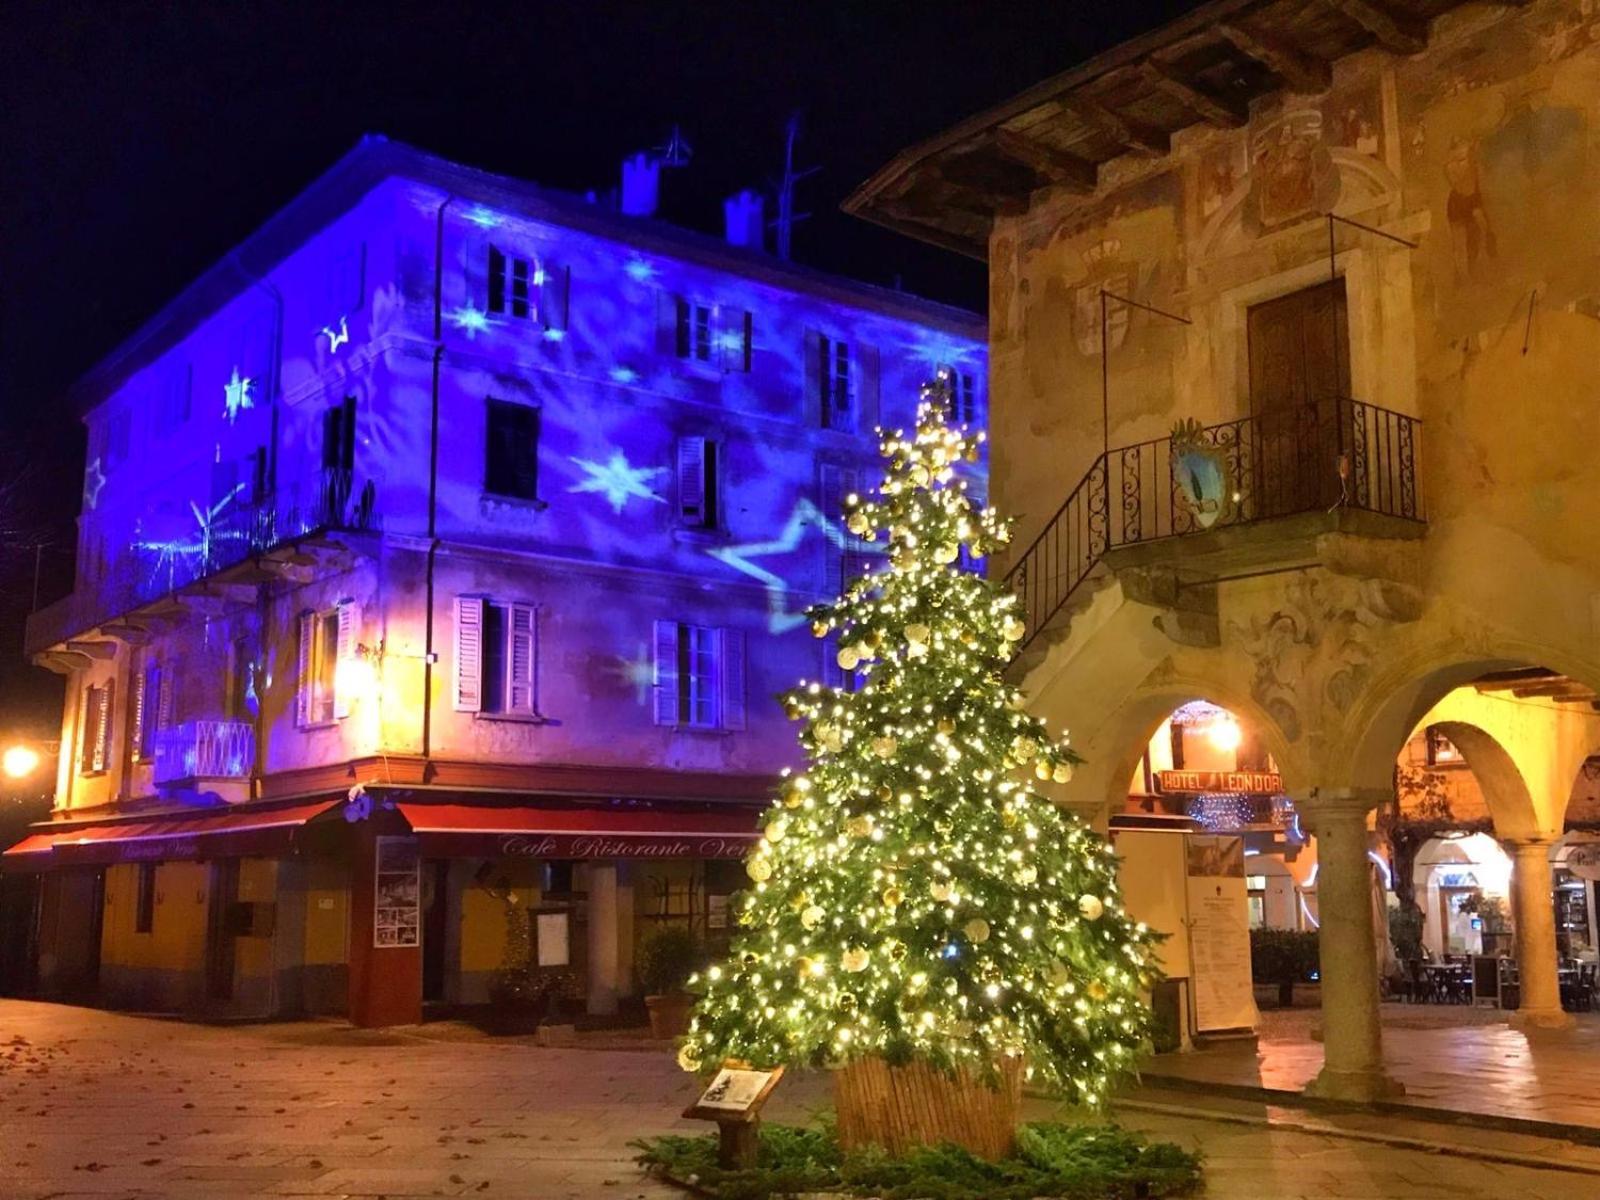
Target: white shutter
(102,732)
(469,654)
(666,673)
(730,683)
(692,480)
(302,682)
(345,652)
(521,656)
(136,713)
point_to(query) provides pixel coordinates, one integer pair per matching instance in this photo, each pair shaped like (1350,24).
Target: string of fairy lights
(912,895)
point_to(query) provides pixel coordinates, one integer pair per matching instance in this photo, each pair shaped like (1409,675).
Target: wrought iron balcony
(205,750)
(1334,454)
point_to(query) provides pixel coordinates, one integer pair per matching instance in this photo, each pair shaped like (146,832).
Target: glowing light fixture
(19,762)
(1224,733)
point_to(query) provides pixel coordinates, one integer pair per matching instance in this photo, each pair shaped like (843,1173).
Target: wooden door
(220,931)
(1299,373)
(435,927)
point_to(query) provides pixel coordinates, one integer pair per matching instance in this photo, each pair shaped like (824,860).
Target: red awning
(565,832)
(204,835)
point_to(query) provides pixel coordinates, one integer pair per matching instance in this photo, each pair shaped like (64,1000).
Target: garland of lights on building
(911,897)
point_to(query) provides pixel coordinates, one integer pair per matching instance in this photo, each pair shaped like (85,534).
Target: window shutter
(497,281)
(681,334)
(865,375)
(692,480)
(469,654)
(102,730)
(345,652)
(302,695)
(734,325)
(666,673)
(136,714)
(730,684)
(555,294)
(837,483)
(521,656)
(832,672)
(811,359)
(162,716)
(748,343)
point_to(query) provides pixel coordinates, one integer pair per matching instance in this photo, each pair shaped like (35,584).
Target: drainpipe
(428,652)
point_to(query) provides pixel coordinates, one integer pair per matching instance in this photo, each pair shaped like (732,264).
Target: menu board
(1219,935)
(397,903)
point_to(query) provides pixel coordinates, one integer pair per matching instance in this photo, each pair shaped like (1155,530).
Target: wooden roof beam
(1132,136)
(1393,31)
(1063,169)
(1499,681)
(1207,106)
(1304,73)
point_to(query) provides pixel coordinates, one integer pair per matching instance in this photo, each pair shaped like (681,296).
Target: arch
(1505,790)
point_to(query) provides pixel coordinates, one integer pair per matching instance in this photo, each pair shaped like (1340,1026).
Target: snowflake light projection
(337,337)
(472,320)
(623,375)
(805,515)
(176,561)
(617,480)
(238,395)
(638,672)
(482,217)
(639,270)
(93,480)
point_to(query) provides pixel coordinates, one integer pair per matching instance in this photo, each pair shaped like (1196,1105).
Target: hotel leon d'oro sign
(1249,783)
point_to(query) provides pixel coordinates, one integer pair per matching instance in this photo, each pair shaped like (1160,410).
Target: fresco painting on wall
(1292,174)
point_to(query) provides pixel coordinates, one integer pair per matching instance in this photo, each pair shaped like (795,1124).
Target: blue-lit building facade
(443,551)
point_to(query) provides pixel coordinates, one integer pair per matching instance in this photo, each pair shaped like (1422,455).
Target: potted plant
(666,960)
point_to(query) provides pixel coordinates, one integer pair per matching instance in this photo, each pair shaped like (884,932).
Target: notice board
(1219,934)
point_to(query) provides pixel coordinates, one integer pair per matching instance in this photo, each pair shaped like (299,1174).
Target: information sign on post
(734,1101)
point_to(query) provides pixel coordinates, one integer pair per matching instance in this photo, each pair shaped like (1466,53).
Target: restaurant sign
(1250,783)
(586,845)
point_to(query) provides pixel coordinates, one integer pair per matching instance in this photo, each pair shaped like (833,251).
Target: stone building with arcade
(1295,325)
(443,551)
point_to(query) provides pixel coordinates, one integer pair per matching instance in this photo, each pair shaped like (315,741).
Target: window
(144,919)
(840,557)
(513,451)
(1441,751)
(94,738)
(1256,896)
(837,394)
(496,651)
(339,436)
(694,331)
(114,447)
(150,709)
(172,404)
(243,703)
(963,397)
(699,676)
(326,639)
(699,467)
(514,285)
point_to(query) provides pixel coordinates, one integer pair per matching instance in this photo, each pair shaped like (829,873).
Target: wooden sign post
(734,1102)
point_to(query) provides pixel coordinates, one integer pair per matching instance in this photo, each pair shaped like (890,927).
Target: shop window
(699,470)
(699,676)
(496,652)
(512,467)
(144,919)
(327,639)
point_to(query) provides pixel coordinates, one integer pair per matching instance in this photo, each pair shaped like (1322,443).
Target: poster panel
(1219,934)
(397,903)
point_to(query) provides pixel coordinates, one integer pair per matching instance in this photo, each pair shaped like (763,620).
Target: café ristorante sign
(1249,783)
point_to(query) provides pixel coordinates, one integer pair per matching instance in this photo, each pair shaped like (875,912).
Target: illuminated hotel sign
(1251,783)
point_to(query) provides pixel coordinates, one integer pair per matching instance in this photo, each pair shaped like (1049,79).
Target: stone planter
(898,1108)
(669,1014)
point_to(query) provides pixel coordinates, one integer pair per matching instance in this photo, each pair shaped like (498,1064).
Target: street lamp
(18,762)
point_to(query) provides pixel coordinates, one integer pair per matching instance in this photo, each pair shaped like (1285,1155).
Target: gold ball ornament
(917,650)
(1091,907)
(793,798)
(775,830)
(918,633)
(946,554)
(939,890)
(847,658)
(885,747)
(892,897)
(977,931)
(812,917)
(688,1060)
(1024,748)
(854,960)
(819,629)
(1096,990)
(829,737)
(1042,770)
(857,523)
(1062,773)
(946,725)
(859,826)
(920,476)
(1027,876)
(1013,629)
(759,869)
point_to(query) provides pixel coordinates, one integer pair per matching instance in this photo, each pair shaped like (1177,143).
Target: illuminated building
(1293,353)
(442,549)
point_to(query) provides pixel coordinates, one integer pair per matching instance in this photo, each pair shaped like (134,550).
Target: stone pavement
(1449,1057)
(114,1107)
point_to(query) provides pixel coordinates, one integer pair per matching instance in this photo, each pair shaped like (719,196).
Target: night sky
(140,141)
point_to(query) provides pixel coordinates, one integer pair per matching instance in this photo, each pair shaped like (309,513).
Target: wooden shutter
(345,652)
(521,657)
(555,295)
(692,480)
(163,699)
(864,377)
(303,682)
(681,329)
(748,343)
(837,483)
(666,672)
(497,281)
(102,725)
(468,689)
(734,327)
(136,713)
(731,682)
(811,359)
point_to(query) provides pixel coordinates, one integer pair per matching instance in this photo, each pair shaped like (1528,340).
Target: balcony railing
(1337,453)
(205,750)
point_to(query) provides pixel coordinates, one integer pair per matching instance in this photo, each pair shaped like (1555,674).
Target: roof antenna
(677,152)
(785,221)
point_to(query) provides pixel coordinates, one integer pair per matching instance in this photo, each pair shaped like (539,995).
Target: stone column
(603,956)
(1533,910)
(1352,1046)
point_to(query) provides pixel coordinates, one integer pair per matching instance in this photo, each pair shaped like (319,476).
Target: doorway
(220,930)
(435,928)
(1299,348)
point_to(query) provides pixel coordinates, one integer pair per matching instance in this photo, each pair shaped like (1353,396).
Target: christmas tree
(913,898)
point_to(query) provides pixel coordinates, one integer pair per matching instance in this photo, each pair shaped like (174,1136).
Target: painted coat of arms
(1110,274)
(1200,474)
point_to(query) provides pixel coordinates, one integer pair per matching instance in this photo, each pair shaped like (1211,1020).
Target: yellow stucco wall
(177,938)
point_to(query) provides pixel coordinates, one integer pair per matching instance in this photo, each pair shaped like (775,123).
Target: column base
(1545,1020)
(1362,1087)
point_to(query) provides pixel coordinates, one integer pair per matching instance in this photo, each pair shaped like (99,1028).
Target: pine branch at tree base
(915,900)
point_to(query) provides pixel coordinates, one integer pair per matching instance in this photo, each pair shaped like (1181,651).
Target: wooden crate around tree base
(898,1108)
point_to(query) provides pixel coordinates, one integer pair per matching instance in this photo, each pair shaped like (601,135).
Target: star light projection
(337,337)
(805,515)
(472,321)
(94,478)
(913,897)
(638,672)
(617,480)
(237,395)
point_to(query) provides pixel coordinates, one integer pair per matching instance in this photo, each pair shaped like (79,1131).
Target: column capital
(1530,845)
(1333,804)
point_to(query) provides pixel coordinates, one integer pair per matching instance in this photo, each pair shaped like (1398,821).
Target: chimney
(744,221)
(641,184)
